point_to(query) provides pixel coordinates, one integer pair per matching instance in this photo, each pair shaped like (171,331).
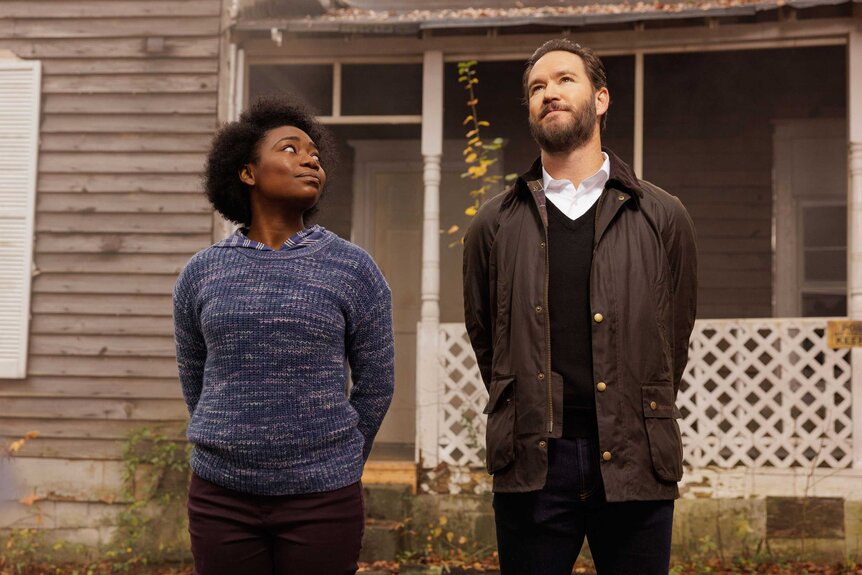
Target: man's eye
(535,89)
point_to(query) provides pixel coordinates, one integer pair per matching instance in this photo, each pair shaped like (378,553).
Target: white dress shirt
(574,202)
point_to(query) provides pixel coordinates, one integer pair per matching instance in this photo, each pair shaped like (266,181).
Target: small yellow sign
(844,333)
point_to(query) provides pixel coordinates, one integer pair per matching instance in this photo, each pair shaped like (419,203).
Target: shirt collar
(597,180)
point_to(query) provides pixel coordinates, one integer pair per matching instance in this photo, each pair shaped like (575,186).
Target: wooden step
(382,472)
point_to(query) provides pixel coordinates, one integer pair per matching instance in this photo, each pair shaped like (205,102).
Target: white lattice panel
(766,393)
(463,398)
(757,393)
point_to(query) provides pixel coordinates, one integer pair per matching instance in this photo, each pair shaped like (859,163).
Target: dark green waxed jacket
(643,297)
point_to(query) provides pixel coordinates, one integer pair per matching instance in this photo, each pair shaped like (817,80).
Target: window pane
(824,305)
(311,83)
(826,265)
(381,89)
(825,226)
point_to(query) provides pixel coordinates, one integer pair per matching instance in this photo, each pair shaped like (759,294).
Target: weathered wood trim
(147,124)
(130,306)
(110,66)
(129,104)
(93,408)
(128,203)
(520,46)
(106,366)
(120,243)
(121,163)
(129,47)
(63,9)
(130,84)
(84,429)
(93,283)
(95,386)
(93,28)
(133,223)
(99,324)
(112,263)
(121,183)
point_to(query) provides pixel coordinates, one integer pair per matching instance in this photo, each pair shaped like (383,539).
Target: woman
(266,322)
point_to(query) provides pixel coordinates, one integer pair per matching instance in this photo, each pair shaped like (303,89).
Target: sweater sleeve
(371,354)
(189,340)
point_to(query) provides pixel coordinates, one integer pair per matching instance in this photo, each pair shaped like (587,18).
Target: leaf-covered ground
(390,568)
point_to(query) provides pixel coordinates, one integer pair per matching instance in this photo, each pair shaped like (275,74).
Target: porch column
(854,273)
(427,333)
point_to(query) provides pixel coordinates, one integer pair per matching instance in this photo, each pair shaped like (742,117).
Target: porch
(767,410)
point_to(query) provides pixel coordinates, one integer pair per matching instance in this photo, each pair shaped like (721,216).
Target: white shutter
(20,83)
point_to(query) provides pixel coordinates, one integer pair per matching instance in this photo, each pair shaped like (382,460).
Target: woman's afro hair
(236,145)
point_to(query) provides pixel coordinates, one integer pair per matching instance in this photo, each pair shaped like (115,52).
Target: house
(750,111)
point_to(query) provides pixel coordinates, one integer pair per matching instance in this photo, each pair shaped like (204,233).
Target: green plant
(441,544)
(20,548)
(479,154)
(152,527)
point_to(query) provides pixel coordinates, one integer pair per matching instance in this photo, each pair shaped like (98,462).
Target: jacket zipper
(548,339)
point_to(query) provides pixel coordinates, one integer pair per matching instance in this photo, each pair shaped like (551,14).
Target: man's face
(562,102)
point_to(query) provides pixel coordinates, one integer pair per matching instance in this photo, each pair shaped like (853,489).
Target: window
(19,136)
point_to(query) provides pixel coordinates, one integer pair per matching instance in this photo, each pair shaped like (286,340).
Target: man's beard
(565,136)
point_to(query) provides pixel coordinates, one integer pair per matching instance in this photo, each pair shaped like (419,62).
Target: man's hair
(593,65)
(236,145)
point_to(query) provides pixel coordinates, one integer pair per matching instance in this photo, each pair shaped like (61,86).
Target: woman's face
(287,169)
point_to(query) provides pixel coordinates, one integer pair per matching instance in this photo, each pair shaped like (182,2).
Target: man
(580,293)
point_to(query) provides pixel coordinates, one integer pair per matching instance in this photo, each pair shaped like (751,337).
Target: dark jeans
(542,532)
(237,533)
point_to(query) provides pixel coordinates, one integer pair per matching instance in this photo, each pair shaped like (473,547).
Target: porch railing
(757,393)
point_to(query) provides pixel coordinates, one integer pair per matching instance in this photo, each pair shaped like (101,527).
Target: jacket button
(541,375)
(598,318)
(508,401)
(543,444)
(606,455)
(621,197)
(653,405)
(541,244)
(538,309)
(601,386)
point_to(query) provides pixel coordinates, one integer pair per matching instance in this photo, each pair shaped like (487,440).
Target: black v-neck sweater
(570,253)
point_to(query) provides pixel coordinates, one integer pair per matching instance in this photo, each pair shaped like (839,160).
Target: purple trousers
(308,534)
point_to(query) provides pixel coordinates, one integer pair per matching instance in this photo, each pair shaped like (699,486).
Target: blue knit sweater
(263,341)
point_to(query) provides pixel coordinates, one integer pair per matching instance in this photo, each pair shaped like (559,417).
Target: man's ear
(246,175)
(603,101)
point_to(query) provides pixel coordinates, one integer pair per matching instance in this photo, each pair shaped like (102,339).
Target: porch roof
(396,17)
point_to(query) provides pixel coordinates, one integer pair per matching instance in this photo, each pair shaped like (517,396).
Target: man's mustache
(553,107)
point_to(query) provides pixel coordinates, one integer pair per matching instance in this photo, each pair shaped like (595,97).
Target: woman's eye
(289,149)
(316,157)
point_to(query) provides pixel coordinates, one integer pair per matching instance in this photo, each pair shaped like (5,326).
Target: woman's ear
(246,175)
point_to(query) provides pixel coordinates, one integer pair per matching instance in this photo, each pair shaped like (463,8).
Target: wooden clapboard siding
(108,143)
(99,324)
(130,104)
(150,183)
(96,387)
(63,9)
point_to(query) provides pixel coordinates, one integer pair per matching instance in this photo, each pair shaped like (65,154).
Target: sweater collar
(303,239)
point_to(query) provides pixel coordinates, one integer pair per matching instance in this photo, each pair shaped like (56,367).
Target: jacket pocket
(665,440)
(500,435)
